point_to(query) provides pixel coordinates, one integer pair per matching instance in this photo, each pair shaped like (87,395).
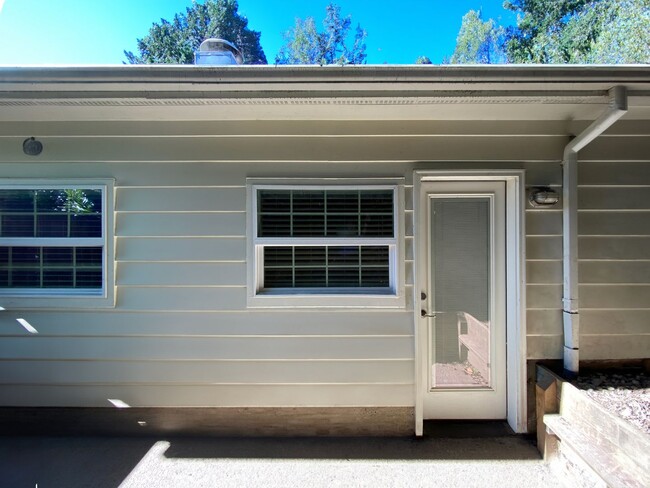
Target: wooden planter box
(585,443)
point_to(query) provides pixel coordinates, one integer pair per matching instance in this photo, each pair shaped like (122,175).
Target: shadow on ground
(110,462)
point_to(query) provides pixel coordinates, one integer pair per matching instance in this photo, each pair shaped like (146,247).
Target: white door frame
(515,288)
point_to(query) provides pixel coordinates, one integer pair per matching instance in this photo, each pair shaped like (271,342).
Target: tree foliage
(580,31)
(175,42)
(305,44)
(479,42)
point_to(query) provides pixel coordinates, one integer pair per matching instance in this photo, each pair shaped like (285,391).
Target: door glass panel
(459,329)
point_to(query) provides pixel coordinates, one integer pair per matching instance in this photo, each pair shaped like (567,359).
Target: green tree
(305,44)
(538,35)
(423,60)
(479,42)
(580,31)
(622,30)
(175,42)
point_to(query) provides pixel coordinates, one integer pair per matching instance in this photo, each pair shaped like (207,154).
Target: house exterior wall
(180,334)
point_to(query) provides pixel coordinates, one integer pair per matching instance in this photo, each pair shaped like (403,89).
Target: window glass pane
(58,278)
(89,278)
(308,225)
(308,201)
(310,278)
(25,255)
(57,255)
(17,225)
(343,201)
(86,225)
(21,201)
(343,225)
(25,278)
(51,213)
(52,225)
(51,267)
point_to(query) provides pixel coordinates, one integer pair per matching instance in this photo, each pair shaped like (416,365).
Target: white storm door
(462,319)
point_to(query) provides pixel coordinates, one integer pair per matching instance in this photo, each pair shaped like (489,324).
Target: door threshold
(466,429)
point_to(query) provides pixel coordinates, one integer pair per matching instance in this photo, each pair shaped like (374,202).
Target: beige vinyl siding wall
(180,334)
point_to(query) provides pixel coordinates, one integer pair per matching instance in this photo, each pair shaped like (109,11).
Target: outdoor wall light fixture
(32,147)
(543,197)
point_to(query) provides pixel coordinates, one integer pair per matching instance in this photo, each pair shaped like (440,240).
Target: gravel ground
(627,394)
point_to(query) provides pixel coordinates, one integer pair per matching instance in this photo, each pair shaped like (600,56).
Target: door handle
(423,313)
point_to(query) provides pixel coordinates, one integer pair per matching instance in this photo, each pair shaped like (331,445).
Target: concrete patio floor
(438,461)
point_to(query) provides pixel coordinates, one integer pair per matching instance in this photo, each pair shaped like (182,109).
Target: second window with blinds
(334,241)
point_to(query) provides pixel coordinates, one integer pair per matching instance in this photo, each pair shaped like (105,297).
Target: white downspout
(570,305)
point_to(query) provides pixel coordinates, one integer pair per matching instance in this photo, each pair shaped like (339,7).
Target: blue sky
(98,31)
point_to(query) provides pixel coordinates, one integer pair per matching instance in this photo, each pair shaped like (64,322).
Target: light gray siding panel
(614,223)
(629,148)
(614,198)
(615,296)
(544,346)
(206,348)
(180,249)
(544,247)
(129,173)
(178,274)
(614,228)
(601,271)
(239,323)
(620,172)
(298,149)
(621,321)
(543,222)
(205,372)
(614,247)
(544,296)
(544,321)
(349,394)
(181,298)
(180,224)
(181,199)
(544,272)
(614,346)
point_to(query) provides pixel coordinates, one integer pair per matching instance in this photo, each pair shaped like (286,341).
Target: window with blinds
(52,238)
(337,240)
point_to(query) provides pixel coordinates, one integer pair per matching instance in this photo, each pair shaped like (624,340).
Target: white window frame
(390,297)
(64,297)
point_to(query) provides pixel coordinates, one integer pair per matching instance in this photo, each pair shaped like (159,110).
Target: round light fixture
(32,147)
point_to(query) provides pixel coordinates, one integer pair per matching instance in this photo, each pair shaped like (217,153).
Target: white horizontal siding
(180,334)
(273,395)
(181,224)
(197,372)
(614,228)
(206,347)
(353,322)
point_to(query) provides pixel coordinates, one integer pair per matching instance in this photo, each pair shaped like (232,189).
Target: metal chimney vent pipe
(218,52)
